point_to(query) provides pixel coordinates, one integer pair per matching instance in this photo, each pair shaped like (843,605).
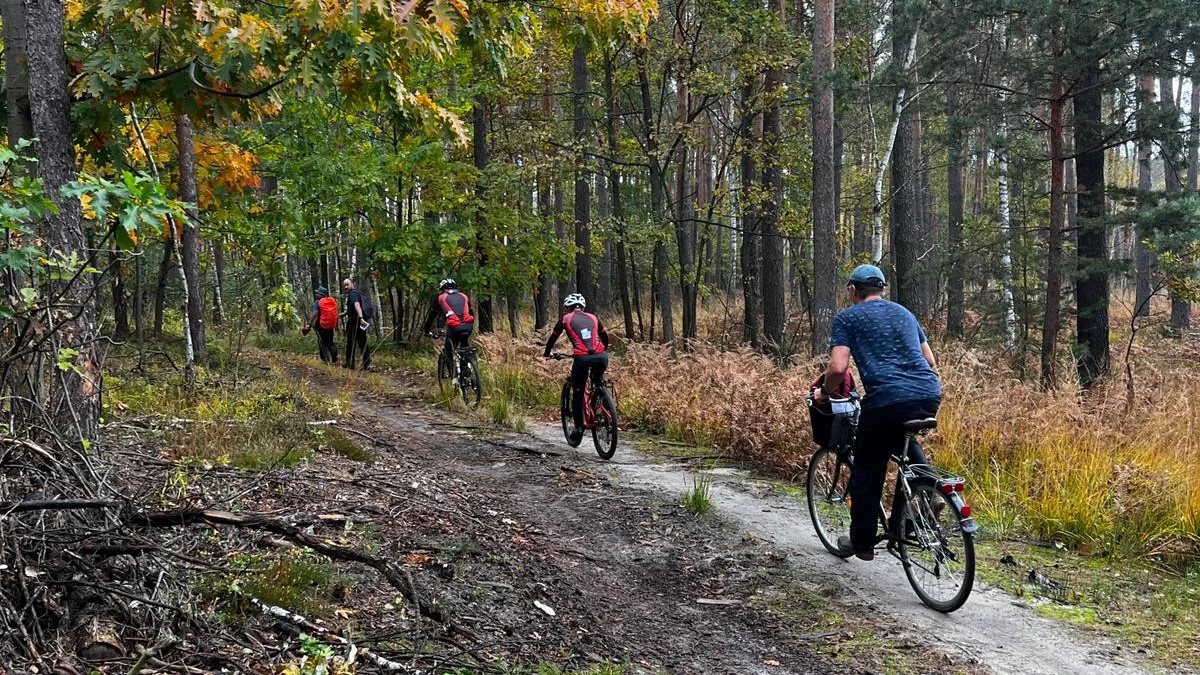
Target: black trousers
(596,365)
(880,434)
(356,336)
(458,337)
(326,345)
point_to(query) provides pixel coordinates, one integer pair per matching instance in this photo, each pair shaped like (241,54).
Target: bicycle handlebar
(559,356)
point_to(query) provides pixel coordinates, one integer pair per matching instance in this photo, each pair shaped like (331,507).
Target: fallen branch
(298,620)
(184,517)
(56,505)
(521,448)
(148,654)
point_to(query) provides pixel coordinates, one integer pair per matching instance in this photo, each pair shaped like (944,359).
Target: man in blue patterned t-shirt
(897,369)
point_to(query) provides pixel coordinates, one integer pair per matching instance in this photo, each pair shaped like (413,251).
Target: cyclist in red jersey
(455,307)
(589,342)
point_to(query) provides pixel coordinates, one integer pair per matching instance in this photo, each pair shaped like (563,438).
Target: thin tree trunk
(614,183)
(824,180)
(218,251)
(479,128)
(1181,308)
(583,195)
(1141,253)
(662,278)
(565,283)
(906,228)
(750,260)
(773,290)
(899,106)
(1006,237)
(955,300)
(165,267)
(120,296)
(604,289)
(685,218)
(191,235)
(16,71)
(1194,122)
(541,299)
(1054,255)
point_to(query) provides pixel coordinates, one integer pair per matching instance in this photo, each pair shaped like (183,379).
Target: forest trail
(670,591)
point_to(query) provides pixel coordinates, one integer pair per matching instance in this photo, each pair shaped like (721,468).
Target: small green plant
(698,500)
(501,414)
(316,658)
(520,424)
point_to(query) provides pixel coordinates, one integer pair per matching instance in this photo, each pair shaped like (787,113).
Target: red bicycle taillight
(947,488)
(966,511)
(958,487)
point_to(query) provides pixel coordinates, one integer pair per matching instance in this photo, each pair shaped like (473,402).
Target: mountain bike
(930,529)
(599,412)
(464,377)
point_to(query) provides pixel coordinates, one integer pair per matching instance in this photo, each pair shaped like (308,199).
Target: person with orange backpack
(324,319)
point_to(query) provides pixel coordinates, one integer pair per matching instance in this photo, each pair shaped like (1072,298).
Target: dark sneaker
(847,549)
(576,437)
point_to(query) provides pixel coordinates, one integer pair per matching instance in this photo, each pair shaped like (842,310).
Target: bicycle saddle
(913,426)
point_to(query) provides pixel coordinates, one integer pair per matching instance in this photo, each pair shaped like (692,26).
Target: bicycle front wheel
(443,374)
(604,429)
(564,410)
(938,556)
(828,489)
(468,381)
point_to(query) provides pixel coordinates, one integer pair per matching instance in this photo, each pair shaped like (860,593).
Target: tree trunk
(662,285)
(899,107)
(1141,252)
(218,250)
(541,299)
(16,71)
(583,195)
(165,267)
(612,119)
(955,300)
(1054,255)
(1194,122)
(604,289)
(906,184)
(479,151)
(1092,285)
(74,404)
(773,290)
(824,203)
(1181,308)
(750,259)
(566,283)
(120,296)
(191,234)
(1006,238)
(685,217)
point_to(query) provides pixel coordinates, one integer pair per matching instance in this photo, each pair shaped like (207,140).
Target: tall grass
(1049,465)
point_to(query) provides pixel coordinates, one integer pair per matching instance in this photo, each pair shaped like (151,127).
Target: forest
(179,177)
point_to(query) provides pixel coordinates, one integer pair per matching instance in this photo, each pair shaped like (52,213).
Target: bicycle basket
(834,421)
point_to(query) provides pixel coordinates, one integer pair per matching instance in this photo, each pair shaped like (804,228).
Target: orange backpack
(327,307)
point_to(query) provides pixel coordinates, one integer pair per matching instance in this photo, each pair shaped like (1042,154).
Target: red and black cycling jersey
(454,306)
(585,331)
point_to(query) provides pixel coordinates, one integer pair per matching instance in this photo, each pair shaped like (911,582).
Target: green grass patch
(698,500)
(1148,607)
(296,580)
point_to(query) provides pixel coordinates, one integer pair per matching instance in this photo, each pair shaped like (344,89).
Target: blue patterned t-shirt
(886,340)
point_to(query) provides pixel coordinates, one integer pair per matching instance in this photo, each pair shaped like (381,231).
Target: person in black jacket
(589,342)
(356,324)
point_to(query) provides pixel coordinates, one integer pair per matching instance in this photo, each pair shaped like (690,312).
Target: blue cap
(321,291)
(868,275)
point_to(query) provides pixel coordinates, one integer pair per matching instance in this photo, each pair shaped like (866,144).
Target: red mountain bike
(599,412)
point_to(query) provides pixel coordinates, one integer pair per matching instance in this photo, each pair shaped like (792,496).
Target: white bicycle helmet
(575,299)
(447,283)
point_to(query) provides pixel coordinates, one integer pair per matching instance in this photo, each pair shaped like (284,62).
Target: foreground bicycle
(599,412)
(930,529)
(464,377)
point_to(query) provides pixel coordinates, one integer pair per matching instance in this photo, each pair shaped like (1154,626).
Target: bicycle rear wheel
(468,380)
(604,430)
(828,489)
(938,556)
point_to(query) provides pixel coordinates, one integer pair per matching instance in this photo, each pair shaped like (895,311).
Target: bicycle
(599,412)
(932,536)
(465,377)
